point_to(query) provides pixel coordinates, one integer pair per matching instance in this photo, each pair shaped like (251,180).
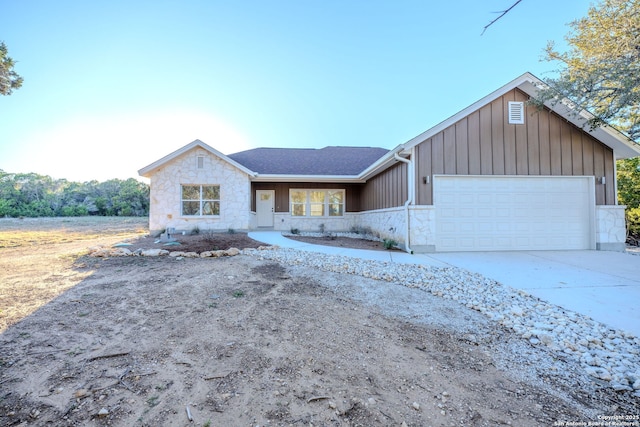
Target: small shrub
(238,294)
(356,229)
(389,243)
(321,227)
(295,231)
(195,230)
(231,231)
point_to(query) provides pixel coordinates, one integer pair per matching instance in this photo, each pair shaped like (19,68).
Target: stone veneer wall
(388,223)
(165,195)
(611,228)
(423,228)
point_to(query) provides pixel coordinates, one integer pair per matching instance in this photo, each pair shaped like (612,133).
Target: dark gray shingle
(309,161)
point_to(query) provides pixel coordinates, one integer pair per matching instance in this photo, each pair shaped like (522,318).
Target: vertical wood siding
(386,190)
(484,143)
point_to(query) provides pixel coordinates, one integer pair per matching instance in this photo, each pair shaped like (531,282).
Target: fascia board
(381,164)
(197,143)
(308,178)
(470,109)
(621,145)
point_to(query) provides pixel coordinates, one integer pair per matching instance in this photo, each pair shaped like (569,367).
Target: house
(498,175)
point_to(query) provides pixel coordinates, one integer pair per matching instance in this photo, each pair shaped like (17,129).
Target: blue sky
(111,86)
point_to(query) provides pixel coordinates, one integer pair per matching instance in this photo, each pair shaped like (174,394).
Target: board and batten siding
(388,189)
(484,143)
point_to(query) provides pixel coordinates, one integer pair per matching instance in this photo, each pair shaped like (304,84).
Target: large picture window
(317,203)
(200,200)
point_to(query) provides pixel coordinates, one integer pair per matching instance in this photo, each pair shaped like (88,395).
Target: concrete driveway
(603,285)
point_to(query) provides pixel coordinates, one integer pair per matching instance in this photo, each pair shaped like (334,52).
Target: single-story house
(499,175)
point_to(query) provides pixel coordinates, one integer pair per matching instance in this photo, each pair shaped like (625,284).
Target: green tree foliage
(9,79)
(33,195)
(601,74)
(601,70)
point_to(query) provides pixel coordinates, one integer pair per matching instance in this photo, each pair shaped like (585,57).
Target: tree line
(34,195)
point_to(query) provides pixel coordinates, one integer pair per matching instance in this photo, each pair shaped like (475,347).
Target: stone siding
(611,229)
(166,196)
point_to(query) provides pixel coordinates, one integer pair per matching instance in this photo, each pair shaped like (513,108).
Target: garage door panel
(506,213)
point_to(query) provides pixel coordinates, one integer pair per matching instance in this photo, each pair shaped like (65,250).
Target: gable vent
(516,113)
(200,162)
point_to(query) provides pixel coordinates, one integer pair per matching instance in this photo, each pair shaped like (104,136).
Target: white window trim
(325,203)
(201,201)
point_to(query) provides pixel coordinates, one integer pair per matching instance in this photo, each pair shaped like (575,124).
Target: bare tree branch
(504,12)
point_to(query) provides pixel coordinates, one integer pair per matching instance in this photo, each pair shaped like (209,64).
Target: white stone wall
(283,221)
(165,195)
(388,223)
(611,230)
(423,228)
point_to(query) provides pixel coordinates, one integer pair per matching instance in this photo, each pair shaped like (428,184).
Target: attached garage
(494,213)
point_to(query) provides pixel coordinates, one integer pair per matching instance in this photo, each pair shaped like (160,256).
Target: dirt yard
(236,341)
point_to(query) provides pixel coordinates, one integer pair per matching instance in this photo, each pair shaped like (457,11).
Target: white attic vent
(200,162)
(516,113)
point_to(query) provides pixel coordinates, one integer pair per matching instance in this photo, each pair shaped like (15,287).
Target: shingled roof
(335,161)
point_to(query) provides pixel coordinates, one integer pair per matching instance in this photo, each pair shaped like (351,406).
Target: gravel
(608,357)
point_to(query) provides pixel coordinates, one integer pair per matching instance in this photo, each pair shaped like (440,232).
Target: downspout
(410,186)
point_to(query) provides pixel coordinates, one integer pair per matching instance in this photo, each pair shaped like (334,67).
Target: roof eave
(147,170)
(622,146)
(355,179)
(381,164)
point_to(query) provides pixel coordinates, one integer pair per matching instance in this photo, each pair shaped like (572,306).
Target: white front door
(264,207)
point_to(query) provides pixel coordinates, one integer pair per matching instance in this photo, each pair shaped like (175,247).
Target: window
(200,200)
(317,203)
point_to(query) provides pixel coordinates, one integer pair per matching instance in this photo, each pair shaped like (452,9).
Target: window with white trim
(317,203)
(200,200)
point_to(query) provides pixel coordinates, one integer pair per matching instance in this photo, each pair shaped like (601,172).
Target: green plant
(295,231)
(321,227)
(389,243)
(195,230)
(231,231)
(633,223)
(238,294)
(207,424)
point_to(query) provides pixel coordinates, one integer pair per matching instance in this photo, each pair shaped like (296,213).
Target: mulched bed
(343,242)
(199,242)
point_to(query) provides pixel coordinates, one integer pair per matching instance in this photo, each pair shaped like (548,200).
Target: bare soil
(236,341)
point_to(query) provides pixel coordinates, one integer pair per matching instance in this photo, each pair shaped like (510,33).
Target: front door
(264,207)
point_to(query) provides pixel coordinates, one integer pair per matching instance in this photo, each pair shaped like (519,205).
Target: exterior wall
(388,189)
(283,221)
(484,143)
(611,231)
(166,195)
(423,228)
(388,223)
(352,193)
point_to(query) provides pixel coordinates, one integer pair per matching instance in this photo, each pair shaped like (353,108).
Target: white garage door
(489,213)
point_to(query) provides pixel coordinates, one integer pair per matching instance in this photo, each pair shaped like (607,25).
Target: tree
(9,79)
(601,71)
